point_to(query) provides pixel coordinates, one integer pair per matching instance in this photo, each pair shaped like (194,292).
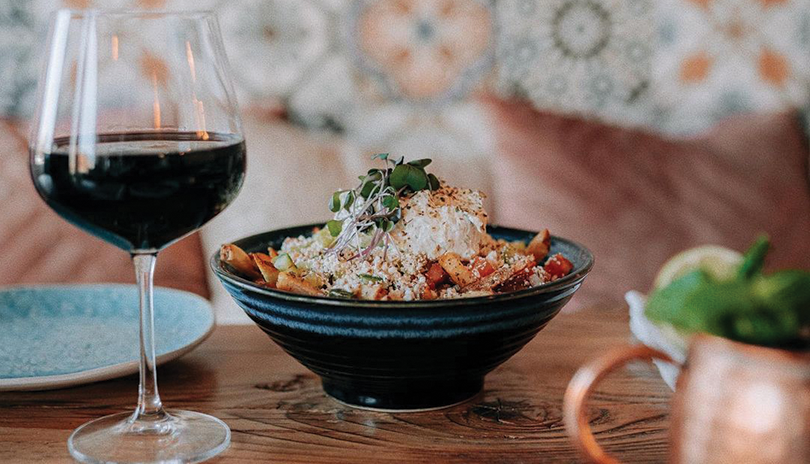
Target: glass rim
(131,12)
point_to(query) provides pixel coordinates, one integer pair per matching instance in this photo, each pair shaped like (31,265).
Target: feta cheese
(445,220)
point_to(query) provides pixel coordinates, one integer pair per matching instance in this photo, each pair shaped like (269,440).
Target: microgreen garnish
(334,227)
(373,206)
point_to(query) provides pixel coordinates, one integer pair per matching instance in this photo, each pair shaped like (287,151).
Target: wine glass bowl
(138,141)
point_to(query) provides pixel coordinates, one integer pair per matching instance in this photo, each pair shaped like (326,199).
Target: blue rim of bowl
(576,276)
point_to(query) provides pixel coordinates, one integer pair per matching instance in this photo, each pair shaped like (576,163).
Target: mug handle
(581,386)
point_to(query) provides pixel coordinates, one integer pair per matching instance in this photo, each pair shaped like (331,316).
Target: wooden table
(278,413)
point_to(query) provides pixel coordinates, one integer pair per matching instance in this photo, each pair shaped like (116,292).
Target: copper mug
(733,403)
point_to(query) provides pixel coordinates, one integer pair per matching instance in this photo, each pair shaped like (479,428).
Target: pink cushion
(636,198)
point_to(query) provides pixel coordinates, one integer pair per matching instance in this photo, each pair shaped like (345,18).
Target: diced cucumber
(324,237)
(283,262)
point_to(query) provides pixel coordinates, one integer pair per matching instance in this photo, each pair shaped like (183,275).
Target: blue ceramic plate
(58,336)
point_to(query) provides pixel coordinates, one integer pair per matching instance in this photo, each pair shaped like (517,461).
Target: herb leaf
(334,202)
(370,278)
(340,293)
(348,200)
(434,182)
(406,175)
(785,289)
(334,227)
(420,163)
(769,310)
(754,258)
(373,206)
(390,202)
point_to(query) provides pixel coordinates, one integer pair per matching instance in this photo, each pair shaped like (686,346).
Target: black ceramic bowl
(403,355)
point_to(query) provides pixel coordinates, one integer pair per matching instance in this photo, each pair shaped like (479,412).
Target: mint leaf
(754,258)
(769,310)
(785,291)
(716,307)
(666,304)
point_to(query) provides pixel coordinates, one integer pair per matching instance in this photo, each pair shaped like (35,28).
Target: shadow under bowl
(401,355)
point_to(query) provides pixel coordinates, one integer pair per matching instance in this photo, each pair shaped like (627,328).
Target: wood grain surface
(278,413)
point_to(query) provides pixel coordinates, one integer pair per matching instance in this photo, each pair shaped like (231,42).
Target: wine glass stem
(150,409)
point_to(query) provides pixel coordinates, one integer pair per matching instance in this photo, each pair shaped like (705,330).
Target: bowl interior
(580,257)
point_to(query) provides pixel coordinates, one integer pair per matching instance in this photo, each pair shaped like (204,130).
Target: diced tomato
(558,266)
(436,275)
(482,266)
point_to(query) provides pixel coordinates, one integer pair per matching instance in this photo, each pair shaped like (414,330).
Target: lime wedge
(719,262)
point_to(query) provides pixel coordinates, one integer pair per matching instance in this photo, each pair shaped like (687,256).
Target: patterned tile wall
(589,57)
(716,57)
(373,68)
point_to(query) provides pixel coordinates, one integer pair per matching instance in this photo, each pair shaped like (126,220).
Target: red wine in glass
(138,141)
(142,191)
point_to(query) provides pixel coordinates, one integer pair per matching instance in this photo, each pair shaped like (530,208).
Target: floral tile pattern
(588,57)
(719,57)
(18,59)
(423,49)
(674,65)
(274,44)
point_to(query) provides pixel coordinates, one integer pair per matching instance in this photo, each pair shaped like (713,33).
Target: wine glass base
(182,436)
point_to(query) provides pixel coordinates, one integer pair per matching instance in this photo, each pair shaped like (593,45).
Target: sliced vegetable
(376,292)
(557,266)
(436,276)
(291,283)
(314,280)
(519,280)
(265,265)
(500,276)
(239,260)
(539,246)
(283,262)
(482,267)
(324,237)
(455,268)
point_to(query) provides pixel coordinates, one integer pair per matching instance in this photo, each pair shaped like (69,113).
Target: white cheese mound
(446,220)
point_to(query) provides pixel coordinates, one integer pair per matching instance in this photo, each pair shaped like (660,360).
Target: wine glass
(137,140)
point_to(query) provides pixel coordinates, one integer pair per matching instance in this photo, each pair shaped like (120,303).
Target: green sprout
(373,206)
